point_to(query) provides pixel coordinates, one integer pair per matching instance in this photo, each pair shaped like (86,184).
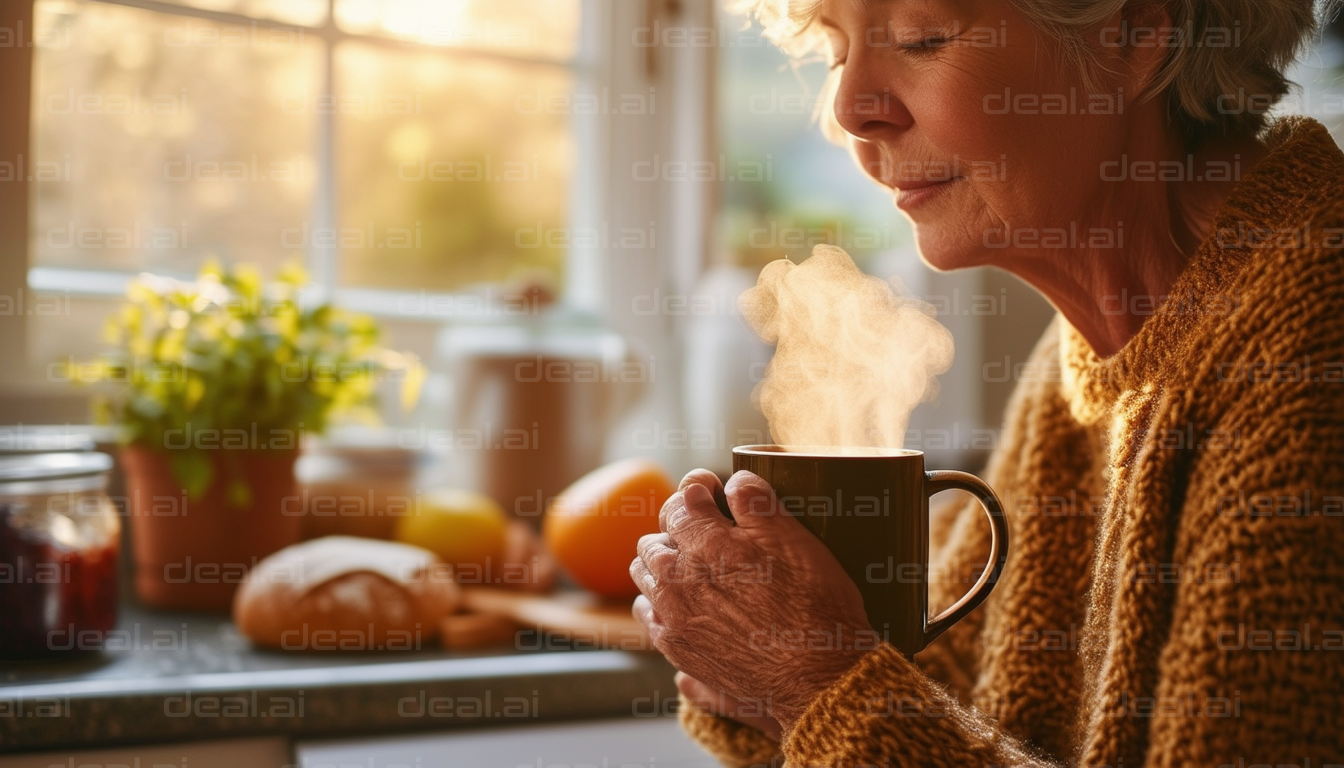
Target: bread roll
(342,593)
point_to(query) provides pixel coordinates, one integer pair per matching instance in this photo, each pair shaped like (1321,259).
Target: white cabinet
(654,742)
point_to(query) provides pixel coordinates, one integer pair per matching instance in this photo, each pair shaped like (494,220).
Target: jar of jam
(59,536)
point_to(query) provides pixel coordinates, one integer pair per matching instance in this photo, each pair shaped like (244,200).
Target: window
(403,145)
(406,150)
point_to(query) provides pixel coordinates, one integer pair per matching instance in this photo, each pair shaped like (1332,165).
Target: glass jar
(356,482)
(59,540)
(16,439)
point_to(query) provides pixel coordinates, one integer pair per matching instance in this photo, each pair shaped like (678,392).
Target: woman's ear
(1142,36)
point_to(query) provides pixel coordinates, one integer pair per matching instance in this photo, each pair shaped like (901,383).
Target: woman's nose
(865,104)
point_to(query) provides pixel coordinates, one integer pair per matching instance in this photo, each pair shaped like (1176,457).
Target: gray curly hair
(1197,79)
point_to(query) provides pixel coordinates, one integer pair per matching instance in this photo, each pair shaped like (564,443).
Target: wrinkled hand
(760,611)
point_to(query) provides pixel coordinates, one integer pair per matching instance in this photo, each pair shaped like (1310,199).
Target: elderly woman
(1175,480)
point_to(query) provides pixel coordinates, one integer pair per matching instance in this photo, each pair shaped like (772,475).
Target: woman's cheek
(953,120)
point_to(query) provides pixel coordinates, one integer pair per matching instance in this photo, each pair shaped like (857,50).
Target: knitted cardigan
(1174,593)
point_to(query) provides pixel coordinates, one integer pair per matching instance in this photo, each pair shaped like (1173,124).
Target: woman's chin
(948,256)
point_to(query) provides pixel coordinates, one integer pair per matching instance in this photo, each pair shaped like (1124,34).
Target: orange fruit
(593,526)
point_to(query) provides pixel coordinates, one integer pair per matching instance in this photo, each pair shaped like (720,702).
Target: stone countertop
(163,677)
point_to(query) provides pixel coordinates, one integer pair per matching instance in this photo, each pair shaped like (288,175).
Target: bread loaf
(342,593)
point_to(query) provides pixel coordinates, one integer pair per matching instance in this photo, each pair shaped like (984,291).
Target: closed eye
(924,47)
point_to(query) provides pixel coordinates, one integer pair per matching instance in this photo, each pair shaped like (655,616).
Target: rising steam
(852,358)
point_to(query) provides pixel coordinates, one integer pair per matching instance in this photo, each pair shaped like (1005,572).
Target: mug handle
(947,480)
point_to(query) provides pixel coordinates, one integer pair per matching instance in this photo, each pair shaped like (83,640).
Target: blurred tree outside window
(402,144)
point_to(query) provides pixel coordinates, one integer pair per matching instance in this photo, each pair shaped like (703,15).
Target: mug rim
(823,451)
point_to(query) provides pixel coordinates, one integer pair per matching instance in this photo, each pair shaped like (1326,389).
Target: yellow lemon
(465,529)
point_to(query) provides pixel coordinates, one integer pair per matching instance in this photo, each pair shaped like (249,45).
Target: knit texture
(1174,594)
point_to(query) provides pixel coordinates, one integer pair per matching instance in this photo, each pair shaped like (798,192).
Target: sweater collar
(1279,192)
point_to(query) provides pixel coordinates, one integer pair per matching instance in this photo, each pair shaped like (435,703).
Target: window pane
(542,28)
(165,146)
(309,13)
(452,171)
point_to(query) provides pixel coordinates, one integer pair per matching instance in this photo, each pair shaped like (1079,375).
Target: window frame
(599,279)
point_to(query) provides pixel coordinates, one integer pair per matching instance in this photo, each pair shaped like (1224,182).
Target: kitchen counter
(164,677)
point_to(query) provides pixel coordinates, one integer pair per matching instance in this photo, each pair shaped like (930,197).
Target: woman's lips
(911,194)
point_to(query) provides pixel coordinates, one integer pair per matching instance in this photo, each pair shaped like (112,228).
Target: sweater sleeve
(885,711)
(732,743)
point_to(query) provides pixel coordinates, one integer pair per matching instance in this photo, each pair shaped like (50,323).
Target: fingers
(702,477)
(691,513)
(643,578)
(711,481)
(753,503)
(655,550)
(642,610)
(656,566)
(700,694)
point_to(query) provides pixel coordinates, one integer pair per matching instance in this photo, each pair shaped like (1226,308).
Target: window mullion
(324,251)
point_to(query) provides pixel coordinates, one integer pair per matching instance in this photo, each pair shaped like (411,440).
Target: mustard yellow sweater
(1174,595)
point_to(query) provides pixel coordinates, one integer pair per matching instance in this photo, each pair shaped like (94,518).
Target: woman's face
(965,95)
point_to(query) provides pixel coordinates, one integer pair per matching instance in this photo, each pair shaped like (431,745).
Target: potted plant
(213,383)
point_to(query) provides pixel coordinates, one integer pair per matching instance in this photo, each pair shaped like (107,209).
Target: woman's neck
(1107,294)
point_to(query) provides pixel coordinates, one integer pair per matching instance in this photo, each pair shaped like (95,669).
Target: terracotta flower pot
(193,554)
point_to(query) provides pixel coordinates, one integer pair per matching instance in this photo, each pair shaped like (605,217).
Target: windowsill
(424,306)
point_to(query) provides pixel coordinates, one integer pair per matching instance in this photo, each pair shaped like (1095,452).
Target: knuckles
(674,504)
(674,516)
(655,550)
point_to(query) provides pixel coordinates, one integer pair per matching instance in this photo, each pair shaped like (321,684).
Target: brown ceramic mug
(871,509)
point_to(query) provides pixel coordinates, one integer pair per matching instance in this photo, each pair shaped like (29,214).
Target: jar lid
(378,445)
(50,466)
(22,439)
